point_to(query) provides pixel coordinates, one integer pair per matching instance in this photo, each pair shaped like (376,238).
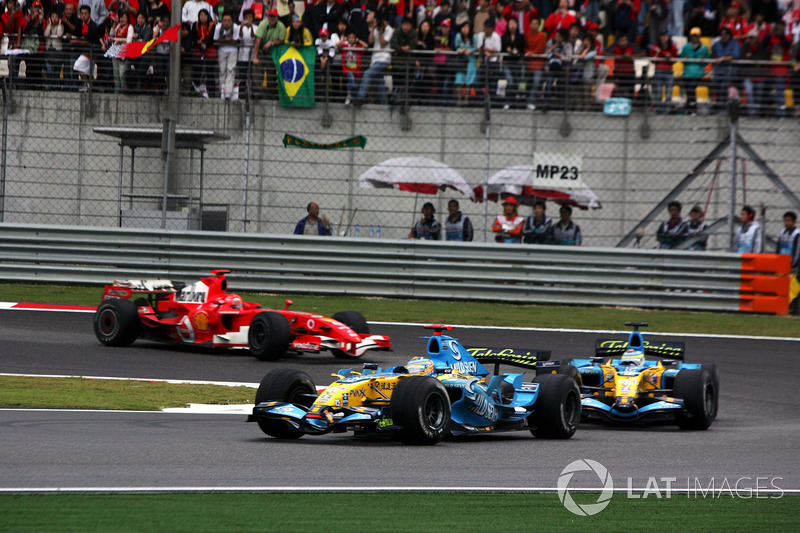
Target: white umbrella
(415,174)
(518,181)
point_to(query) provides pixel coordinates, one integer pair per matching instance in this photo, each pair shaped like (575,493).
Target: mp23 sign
(563,171)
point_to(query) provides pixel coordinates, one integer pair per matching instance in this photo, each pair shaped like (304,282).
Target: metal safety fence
(406,269)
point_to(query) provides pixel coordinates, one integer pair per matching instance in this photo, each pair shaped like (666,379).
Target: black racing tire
(288,386)
(568,369)
(557,411)
(421,406)
(355,321)
(269,336)
(116,322)
(700,394)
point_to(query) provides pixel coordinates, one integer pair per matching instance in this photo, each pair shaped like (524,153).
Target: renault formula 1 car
(632,389)
(204,314)
(447,391)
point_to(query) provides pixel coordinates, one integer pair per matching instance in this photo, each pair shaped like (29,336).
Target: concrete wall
(59,171)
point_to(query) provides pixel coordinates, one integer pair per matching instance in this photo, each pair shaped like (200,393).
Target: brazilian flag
(295,74)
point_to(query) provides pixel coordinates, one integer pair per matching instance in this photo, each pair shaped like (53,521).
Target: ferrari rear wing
(667,350)
(520,357)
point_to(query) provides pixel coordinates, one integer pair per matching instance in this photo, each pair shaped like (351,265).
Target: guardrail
(402,268)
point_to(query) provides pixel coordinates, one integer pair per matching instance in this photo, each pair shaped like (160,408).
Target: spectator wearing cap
(269,32)
(693,71)
(665,52)
(191,9)
(724,51)
(508,226)
(313,224)
(326,51)
(538,228)
(427,228)
(565,231)
(696,226)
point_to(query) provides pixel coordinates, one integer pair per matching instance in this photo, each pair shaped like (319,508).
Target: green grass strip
(387,512)
(475,313)
(81,393)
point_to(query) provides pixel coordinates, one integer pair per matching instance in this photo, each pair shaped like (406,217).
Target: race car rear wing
(125,288)
(612,347)
(520,357)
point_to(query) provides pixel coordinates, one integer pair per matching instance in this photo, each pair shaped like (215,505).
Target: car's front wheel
(287,386)
(698,388)
(421,406)
(116,322)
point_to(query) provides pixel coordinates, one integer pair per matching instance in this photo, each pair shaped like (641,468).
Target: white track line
(171,381)
(353,489)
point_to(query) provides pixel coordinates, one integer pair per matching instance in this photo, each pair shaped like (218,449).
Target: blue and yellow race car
(448,391)
(632,389)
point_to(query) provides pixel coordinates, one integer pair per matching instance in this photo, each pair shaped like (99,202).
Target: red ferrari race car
(204,314)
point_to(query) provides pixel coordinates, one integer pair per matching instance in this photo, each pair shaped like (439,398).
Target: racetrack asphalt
(753,441)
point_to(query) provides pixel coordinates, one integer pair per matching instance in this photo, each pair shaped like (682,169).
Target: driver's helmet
(420,366)
(233,300)
(633,357)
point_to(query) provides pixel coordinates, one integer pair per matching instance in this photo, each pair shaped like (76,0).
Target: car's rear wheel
(421,406)
(557,410)
(355,321)
(698,389)
(287,386)
(568,369)
(269,336)
(116,322)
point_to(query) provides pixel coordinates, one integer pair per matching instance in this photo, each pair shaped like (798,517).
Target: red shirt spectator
(779,47)
(535,43)
(560,20)
(734,22)
(523,12)
(664,53)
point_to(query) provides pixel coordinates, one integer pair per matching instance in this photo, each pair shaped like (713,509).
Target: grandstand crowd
(672,55)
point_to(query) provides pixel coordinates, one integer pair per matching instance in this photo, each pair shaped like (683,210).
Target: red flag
(134,50)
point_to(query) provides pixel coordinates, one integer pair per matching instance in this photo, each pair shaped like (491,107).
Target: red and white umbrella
(518,181)
(415,174)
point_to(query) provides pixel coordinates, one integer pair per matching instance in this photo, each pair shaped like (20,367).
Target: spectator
(672,231)
(352,51)
(247,40)
(428,228)
(154,11)
(703,14)
(14,24)
(482,14)
(88,37)
(693,71)
(226,38)
(118,7)
(270,32)
(403,42)
(187,58)
(779,48)
(658,17)
(754,74)
(508,226)
(444,14)
(99,12)
(583,72)
(298,35)
(192,8)
(466,46)
(559,56)
(489,46)
(357,20)
(286,11)
(221,7)
(565,231)
(695,226)
(748,239)
(789,240)
(54,48)
(724,51)
(425,77)
(624,71)
(513,43)
(380,40)
(561,19)
(457,226)
(734,22)
(524,13)
(625,14)
(326,51)
(33,41)
(142,32)
(676,14)
(313,224)
(325,15)
(160,71)
(122,33)
(538,228)
(535,45)
(205,53)
(665,52)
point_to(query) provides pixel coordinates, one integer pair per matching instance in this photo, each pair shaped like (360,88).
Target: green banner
(359,141)
(295,74)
